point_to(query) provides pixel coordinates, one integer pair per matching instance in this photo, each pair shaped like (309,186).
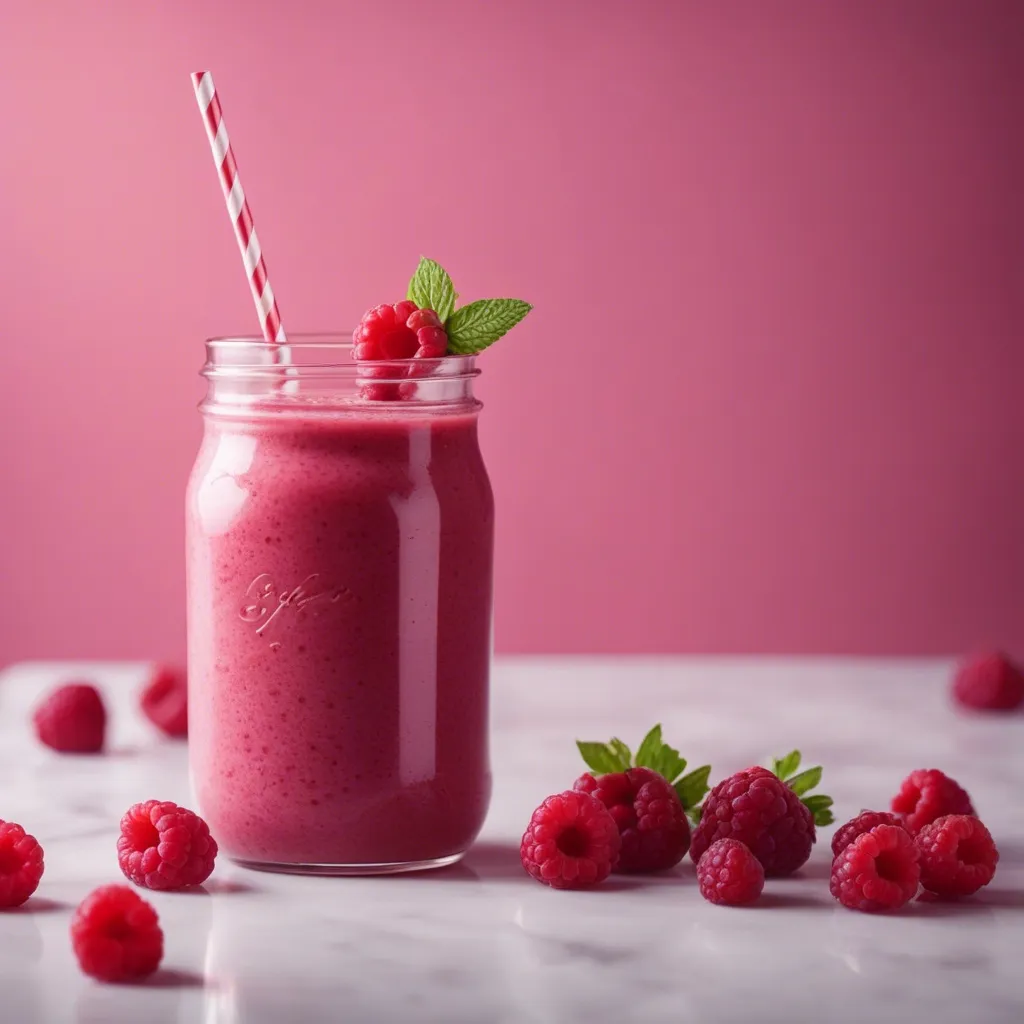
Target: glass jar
(340,549)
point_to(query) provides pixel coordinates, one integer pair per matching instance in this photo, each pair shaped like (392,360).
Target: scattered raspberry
(572,842)
(401,331)
(21,864)
(760,810)
(650,818)
(116,935)
(164,846)
(990,682)
(958,855)
(164,700)
(864,822)
(879,870)
(729,873)
(927,794)
(72,719)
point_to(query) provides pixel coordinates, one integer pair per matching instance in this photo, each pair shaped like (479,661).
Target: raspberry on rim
(164,846)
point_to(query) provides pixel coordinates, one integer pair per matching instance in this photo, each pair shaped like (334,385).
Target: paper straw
(239,212)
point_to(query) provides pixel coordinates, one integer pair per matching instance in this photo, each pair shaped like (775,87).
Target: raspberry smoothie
(339,634)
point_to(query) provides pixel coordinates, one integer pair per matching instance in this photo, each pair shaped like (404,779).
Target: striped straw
(238,210)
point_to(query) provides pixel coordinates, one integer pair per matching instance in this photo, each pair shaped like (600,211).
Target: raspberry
(958,855)
(927,794)
(650,818)
(401,331)
(990,682)
(164,846)
(72,719)
(572,842)
(116,934)
(761,811)
(729,873)
(878,870)
(164,701)
(864,822)
(21,864)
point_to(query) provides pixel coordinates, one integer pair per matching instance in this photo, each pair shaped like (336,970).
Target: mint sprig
(470,328)
(432,288)
(656,754)
(786,769)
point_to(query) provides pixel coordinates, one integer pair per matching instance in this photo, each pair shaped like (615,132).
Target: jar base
(350,870)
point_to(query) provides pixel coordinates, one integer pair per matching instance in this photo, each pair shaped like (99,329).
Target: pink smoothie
(339,635)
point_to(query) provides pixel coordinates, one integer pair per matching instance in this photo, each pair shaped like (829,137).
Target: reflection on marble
(480,942)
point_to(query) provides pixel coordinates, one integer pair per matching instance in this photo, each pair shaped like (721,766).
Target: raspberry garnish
(760,810)
(116,935)
(878,870)
(72,719)
(164,700)
(572,842)
(729,873)
(164,846)
(650,819)
(927,794)
(989,682)
(864,822)
(958,855)
(401,331)
(21,864)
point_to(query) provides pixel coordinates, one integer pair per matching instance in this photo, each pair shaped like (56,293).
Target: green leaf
(691,788)
(432,288)
(602,757)
(694,813)
(649,747)
(819,807)
(472,328)
(805,781)
(784,767)
(624,754)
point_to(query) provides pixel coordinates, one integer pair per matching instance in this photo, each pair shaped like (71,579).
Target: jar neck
(317,374)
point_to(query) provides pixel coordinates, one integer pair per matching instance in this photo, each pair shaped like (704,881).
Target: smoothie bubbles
(339,550)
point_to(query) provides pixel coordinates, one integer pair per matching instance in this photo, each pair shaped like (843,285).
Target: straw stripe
(238,211)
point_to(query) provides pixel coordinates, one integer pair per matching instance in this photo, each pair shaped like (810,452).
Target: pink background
(771,395)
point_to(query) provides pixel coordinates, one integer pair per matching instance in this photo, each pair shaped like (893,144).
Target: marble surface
(480,942)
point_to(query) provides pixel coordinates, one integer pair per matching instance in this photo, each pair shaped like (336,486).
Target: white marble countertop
(481,942)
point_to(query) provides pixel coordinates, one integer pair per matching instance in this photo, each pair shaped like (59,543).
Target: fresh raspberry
(21,864)
(648,813)
(729,873)
(879,870)
(864,822)
(164,846)
(401,331)
(990,682)
(958,855)
(928,794)
(164,700)
(572,842)
(72,719)
(761,811)
(116,935)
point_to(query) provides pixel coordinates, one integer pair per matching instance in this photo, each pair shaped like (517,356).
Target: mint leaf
(784,767)
(691,788)
(472,328)
(602,757)
(649,747)
(432,288)
(805,781)
(819,807)
(623,752)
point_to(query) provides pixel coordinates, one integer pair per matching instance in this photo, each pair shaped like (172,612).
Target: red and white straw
(238,209)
